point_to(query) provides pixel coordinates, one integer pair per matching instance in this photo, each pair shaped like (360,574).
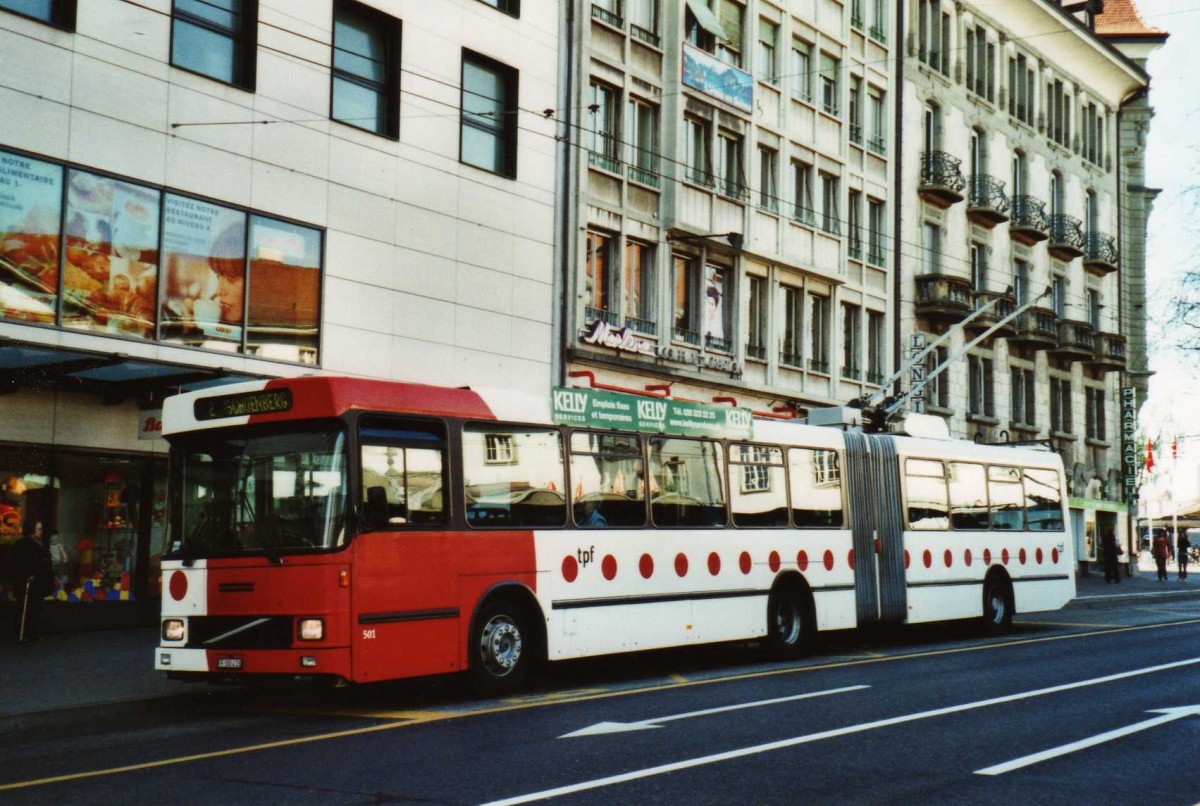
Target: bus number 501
(368,635)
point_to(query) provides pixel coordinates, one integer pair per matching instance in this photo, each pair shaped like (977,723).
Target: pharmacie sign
(593,408)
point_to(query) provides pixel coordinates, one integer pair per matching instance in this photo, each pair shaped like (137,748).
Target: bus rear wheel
(789,626)
(500,648)
(997,605)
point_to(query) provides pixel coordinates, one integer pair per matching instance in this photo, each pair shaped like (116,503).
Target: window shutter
(731,21)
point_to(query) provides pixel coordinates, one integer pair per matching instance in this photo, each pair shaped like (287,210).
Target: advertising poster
(111,270)
(205,275)
(714,303)
(285,290)
(30,211)
(710,75)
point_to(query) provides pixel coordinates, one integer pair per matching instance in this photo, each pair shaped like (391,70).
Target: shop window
(30,219)
(216,38)
(366,68)
(59,13)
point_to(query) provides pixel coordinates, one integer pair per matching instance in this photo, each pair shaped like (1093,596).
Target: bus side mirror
(376,511)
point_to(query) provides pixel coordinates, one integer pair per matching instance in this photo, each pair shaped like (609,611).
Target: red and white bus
(371,530)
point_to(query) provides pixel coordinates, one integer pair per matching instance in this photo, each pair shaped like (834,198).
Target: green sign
(593,408)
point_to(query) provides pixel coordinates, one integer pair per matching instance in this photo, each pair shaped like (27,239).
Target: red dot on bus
(828,560)
(773,561)
(850,559)
(1004,556)
(928,558)
(681,564)
(570,568)
(608,566)
(987,556)
(802,560)
(178,585)
(744,562)
(907,558)
(714,563)
(1022,556)
(948,558)
(646,566)
(1054,555)
(1039,556)
(967,557)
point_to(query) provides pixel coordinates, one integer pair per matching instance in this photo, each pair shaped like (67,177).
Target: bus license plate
(229,663)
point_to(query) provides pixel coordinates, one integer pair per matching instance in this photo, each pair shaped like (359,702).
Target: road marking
(782,744)
(602,728)
(1168,715)
(678,678)
(648,689)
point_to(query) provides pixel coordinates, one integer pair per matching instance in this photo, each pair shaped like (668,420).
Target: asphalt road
(1079,707)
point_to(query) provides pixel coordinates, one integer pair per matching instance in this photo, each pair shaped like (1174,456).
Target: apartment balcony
(1109,353)
(943,298)
(1036,328)
(1076,340)
(1100,253)
(987,203)
(1066,236)
(1004,306)
(942,182)
(1028,223)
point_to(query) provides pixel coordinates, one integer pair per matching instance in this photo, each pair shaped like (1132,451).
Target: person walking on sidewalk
(1182,544)
(31,575)
(1112,554)
(1162,552)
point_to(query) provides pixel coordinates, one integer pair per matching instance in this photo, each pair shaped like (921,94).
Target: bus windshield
(265,493)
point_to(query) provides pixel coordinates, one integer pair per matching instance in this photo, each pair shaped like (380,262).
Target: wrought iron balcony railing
(606,16)
(1028,222)
(610,317)
(717,343)
(756,351)
(1066,236)
(1100,252)
(987,204)
(942,181)
(687,336)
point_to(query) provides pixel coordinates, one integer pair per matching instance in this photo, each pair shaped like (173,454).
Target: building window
(877,20)
(1021,82)
(756,319)
(856,14)
(1020,281)
(933,35)
(718,312)
(854,241)
(1058,295)
(802,184)
(982,384)
(979,267)
(980,55)
(768,47)
(700,31)
(830,72)
(876,232)
(216,38)
(641,137)
(937,386)
(696,157)
(801,69)
(818,332)
(1094,307)
(1096,413)
(729,48)
(830,215)
(598,280)
(1023,409)
(499,449)
(768,179)
(488,130)
(510,7)
(730,178)
(1060,405)
(639,287)
(59,13)
(931,248)
(366,69)
(687,308)
(876,122)
(602,132)
(1092,133)
(608,11)
(851,342)
(643,20)
(1058,113)
(855,110)
(792,327)
(876,338)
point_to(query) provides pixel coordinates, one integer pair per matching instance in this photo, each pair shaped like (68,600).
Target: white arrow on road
(601,728)
(1168,715)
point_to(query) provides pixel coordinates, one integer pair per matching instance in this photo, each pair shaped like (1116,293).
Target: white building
(193,192)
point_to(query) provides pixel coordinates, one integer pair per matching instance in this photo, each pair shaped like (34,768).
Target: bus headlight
(312,629)
(174,629)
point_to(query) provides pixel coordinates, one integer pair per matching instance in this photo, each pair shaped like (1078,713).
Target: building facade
(729,212)
(194,193)
(1015,162)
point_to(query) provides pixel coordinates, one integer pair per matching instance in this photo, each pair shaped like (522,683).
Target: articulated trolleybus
(371,530)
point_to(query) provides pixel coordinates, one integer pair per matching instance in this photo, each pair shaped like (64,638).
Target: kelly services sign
(593,408)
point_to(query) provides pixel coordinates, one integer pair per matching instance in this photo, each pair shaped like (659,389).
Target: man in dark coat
(31,577)
(1112,571)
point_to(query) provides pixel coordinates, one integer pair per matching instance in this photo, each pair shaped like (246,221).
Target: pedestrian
(1112,554)
(1182,544)
(1161,549)
(31,578)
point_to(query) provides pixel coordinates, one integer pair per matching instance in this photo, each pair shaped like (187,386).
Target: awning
(706,18)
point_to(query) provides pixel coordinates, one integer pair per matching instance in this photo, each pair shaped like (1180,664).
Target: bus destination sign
(593,408)
(267,401)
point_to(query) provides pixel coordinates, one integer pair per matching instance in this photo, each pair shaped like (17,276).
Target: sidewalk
(74,670)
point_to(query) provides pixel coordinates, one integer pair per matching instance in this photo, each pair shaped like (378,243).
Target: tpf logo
(574,402)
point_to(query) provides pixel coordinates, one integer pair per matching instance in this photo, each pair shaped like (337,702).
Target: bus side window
(926,490)
(513,476)
(408,479)
(609,478)
(1043,500)
(1006,500)
(758,486)
(816,486)
(968,496)
(687,487)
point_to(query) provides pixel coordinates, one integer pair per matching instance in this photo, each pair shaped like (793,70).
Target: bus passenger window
(926,489)
(816,485)
(1043,500)
(968,496)
(1007,501)
(686,483)
(513,476)
(410,480)
(609,478)
(758,490)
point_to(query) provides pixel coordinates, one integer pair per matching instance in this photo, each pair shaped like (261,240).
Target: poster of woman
(204,282)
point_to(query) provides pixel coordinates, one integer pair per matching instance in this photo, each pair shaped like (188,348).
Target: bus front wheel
(500,648)
(997,605)
(789,625)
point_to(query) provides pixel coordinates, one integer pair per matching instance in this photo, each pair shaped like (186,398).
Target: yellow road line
(425,717)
